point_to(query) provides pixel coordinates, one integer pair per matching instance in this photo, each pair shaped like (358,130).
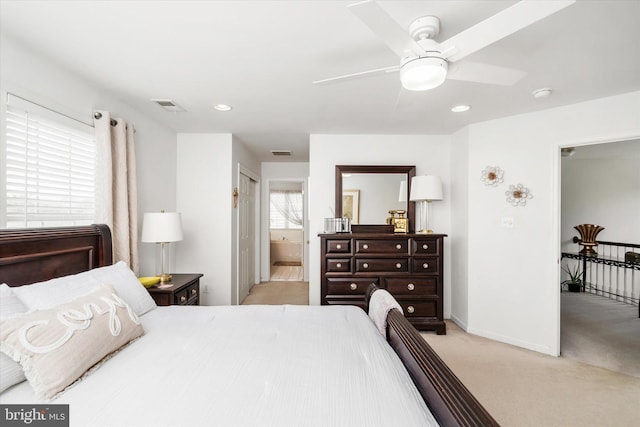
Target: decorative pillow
(11,372)
(57,346)
(51,293)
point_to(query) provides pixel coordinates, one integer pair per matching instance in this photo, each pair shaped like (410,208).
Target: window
(285,209)
(49,164)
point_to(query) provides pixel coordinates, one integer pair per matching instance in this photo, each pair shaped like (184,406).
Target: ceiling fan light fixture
(423,73)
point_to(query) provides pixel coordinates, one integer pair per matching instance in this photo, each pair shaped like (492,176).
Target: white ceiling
(261,57)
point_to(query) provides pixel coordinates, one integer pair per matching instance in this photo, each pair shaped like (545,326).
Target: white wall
(604,192)
(32,76)
(459,240)
(204,197)
(283,171)
(430,155)
(513,273)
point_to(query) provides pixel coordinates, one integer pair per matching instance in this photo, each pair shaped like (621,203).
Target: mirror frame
(409,170)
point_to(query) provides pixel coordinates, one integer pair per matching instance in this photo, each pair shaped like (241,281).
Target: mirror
(366,194)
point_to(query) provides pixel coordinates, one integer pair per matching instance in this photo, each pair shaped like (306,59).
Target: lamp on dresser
(425,189)
(162,227)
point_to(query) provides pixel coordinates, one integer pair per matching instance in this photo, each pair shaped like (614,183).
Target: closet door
(246,236)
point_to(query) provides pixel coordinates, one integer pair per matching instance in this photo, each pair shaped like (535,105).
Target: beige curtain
(116,188)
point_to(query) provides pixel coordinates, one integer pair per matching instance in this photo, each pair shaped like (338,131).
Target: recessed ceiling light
(222,107)
(544,92)
(461,108)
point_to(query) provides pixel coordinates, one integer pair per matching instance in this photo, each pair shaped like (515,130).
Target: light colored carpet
(601,332)
(524,388)
(274,293)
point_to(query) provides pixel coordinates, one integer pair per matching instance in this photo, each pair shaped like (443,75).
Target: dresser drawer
(413,308)
(338,246)
(193,293)
(348,286)
(339,265)
(180,298)
(426,246)
(407,286)
(396,246)
(389,265)
(426,265)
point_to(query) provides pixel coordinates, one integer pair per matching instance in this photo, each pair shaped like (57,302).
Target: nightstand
(185,290)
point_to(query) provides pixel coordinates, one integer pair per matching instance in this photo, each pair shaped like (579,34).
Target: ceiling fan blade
(379,21)
(484,73)
(504,23)
(354,76)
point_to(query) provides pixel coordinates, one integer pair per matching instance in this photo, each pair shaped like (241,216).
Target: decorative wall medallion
(517,195)
(492,175)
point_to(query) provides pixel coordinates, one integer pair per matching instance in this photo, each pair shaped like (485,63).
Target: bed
(241,365)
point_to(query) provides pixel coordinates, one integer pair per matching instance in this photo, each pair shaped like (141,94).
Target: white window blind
(50,168)
(285,210)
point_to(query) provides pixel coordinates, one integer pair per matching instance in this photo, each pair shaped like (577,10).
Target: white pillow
(11,372)
(43,295)
(59,345)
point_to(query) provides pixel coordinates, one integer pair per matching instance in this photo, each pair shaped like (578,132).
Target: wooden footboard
(451,403)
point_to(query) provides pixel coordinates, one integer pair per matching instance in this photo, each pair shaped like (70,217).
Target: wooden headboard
(36,254)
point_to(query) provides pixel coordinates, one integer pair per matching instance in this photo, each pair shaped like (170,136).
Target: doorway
(286,231)
(600,184)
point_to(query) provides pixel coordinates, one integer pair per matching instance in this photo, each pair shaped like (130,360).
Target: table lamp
(425,189)
(162,227)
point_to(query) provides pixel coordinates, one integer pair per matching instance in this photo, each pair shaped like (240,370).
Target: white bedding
(247,366)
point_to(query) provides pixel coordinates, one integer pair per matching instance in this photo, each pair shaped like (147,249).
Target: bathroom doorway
(286,230)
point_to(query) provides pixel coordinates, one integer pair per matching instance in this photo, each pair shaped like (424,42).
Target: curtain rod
(50,109)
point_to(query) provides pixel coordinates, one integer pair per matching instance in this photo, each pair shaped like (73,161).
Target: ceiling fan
(426,64)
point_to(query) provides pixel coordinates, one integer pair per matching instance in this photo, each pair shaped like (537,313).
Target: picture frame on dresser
(351,205)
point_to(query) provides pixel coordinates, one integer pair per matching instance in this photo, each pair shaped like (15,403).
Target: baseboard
(511,341)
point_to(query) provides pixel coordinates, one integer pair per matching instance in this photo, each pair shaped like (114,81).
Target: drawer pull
(411,286)
(193,292)
(353,286)
(425,265)
(338,246)
(365,265)
(410,309)
(338,265)
(183,298)
(365,246)
(398,246)
(398,265)
(425,246)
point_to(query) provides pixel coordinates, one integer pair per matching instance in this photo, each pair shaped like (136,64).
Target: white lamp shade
(162,227)
(426,187)
(423,73)
(402,196)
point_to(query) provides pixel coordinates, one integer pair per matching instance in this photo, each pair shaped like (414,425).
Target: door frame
(557,204)
(305,226)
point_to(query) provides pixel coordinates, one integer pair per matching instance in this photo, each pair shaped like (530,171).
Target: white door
(246,236)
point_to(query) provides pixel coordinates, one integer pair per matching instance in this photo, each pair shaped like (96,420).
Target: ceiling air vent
(169,105)
(281,152)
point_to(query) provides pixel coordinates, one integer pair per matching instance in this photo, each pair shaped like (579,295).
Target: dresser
(184,289)
(409,266)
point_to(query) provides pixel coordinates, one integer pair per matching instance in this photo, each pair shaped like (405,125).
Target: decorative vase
(588,233)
